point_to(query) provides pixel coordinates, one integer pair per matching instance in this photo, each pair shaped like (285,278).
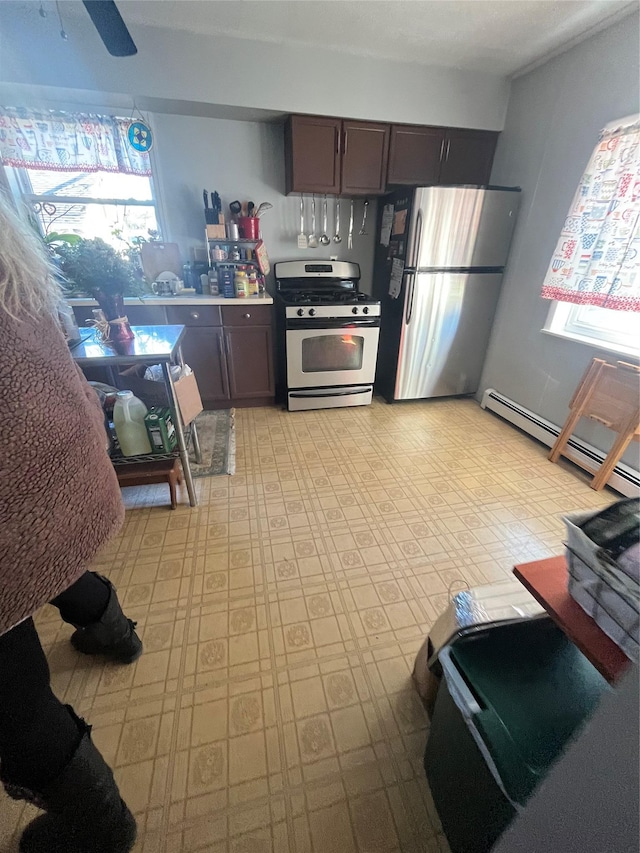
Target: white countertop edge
(196,299)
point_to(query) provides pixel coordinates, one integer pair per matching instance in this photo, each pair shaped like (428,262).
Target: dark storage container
(511,697)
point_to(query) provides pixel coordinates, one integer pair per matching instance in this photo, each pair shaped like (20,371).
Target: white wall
(554,117)
(181,66)
(241,160)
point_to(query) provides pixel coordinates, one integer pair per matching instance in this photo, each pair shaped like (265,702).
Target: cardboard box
(155,393)
(189,399)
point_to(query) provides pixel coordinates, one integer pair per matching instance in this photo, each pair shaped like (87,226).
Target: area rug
(217,434)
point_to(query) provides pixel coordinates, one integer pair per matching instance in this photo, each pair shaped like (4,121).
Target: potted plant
(96,268)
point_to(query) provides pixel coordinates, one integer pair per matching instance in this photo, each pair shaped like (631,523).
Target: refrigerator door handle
(418,245)
(411,280)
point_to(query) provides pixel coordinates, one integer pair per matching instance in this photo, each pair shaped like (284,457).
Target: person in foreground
(59,503)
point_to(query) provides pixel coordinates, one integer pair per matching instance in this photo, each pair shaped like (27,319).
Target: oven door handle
(331,392)
(331,323)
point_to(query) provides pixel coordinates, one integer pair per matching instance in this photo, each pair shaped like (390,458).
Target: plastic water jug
(128,418)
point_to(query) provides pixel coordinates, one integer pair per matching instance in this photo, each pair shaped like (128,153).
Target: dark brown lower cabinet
(250,362)
(203,351)
(249,350)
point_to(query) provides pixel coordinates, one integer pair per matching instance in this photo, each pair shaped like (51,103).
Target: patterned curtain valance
(68,142)
(597,259)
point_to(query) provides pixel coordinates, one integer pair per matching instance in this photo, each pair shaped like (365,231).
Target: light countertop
(188,299)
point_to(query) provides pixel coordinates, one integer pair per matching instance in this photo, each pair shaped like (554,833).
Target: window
(616,331)
(116,207)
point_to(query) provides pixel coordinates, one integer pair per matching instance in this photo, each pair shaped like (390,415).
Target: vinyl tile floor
(273,708)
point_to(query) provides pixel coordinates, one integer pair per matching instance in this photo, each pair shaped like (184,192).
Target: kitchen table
(151,345)
(548,582)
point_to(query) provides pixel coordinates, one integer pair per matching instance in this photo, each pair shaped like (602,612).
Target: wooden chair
(610,395)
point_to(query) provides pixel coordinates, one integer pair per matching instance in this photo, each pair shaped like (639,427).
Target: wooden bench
(149,473)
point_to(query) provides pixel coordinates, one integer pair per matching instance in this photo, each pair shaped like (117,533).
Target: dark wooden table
(547,581)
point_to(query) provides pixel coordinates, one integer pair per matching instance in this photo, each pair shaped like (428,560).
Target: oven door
(328,352)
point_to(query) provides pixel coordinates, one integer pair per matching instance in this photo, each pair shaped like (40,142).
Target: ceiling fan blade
(110,26)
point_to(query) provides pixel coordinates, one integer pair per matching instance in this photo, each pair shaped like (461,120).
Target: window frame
(563,322)
(19,182)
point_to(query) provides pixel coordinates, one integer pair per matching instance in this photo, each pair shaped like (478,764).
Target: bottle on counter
(128,418)
(226,282)
(241,283)
(252,277)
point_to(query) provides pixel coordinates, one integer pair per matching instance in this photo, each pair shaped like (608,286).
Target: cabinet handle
(194,315)
(448,149)
(247,316)
(346,141)
(337,142)
(442,149)
(220,347)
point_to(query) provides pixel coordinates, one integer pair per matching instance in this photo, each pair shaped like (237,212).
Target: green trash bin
(510,699)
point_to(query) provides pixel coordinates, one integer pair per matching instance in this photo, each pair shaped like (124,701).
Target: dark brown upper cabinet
(414,154)
(364,157)
(361,158)
(467,156)
(313,146)
(326,155)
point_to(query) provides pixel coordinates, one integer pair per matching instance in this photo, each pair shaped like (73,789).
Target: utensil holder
(249,227)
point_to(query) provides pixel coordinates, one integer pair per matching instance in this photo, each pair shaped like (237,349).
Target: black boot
(112,635)
(84,810)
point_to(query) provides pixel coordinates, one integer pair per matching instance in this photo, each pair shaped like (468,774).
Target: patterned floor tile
(273,708)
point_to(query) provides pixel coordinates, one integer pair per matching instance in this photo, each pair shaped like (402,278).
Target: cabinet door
(250,359)
(312,154)
(364,158)
(414,154)
(468,156)
(203,351)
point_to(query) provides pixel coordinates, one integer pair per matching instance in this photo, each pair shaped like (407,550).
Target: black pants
(38,736)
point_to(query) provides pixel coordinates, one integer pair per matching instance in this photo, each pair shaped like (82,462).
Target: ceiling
(493,36)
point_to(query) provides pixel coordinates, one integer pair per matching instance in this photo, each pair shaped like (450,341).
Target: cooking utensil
(350,237)
(325,239)
(337,238)
(263,208)
(208,214)
(250,208)
(363,229)
(236,208)
(302,237)
(313,240)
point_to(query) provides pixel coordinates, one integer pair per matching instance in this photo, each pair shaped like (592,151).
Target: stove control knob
(354,310)
(300,312)
(312,312)
(365,310)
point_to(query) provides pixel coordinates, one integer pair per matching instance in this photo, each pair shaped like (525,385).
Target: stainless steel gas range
(327,335)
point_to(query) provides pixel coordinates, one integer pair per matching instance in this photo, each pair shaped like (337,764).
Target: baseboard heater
(623,479)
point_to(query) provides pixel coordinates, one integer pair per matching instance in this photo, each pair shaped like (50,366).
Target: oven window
(332,352)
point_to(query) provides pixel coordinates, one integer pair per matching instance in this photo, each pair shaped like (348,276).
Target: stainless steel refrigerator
(440,255)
